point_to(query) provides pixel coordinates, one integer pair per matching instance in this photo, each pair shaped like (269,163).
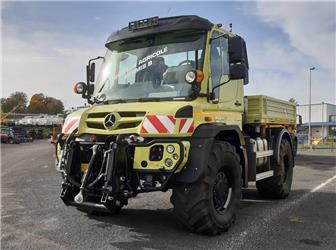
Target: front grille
(128,125)
(96,120)
(132,114)
(97,115)
(95,125)
(122,114)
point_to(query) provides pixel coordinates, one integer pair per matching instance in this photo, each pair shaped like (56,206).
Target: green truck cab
(169,112)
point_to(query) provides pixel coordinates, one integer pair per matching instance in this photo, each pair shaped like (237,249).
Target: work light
(80,88)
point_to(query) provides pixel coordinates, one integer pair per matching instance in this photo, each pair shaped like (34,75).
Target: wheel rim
(221,192)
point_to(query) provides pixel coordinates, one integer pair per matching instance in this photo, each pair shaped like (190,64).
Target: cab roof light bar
(143,23)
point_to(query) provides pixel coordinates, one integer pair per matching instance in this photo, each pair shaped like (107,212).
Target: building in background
(323,120)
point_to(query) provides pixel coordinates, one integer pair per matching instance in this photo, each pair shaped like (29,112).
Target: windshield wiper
(148,99)
(114,101)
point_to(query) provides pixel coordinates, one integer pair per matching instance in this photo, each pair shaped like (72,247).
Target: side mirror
(239,71)
(238,59)
(80,88)
(92,72)
(237,50)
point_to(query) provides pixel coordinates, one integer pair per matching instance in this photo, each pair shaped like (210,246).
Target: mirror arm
(221,35)
(217,86)
(93,59)
(211,94)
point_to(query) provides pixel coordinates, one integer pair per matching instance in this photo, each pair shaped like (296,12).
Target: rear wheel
(279,185)
(210,204)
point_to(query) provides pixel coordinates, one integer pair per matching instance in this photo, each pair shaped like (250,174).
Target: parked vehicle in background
(9,122)
(21,134)
(8,136)
(32,134)
(28,120)
(41,120)
(57,119)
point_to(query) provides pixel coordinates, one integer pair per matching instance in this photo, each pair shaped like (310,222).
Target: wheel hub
(221,192)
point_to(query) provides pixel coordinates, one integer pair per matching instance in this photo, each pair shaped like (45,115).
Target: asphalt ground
(34,217)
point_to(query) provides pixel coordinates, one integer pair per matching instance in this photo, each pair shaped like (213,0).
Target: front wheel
(210,205)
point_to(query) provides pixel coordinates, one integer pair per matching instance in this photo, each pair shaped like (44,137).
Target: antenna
(230,25)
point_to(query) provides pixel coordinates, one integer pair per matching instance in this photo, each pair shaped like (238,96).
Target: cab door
(230,95)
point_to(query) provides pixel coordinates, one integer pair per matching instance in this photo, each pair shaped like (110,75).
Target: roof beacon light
(144,23)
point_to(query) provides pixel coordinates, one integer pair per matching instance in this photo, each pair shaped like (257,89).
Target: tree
(292,100)
(54,106)
(39,103)
(17,101)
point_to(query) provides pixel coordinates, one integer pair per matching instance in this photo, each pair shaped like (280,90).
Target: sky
(46,45)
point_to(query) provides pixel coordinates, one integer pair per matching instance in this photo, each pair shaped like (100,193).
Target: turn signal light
(196,76)
(199,76)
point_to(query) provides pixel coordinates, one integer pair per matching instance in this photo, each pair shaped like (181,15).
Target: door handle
(237,103)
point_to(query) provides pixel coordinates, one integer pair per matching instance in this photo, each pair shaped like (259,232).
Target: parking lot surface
(34,217)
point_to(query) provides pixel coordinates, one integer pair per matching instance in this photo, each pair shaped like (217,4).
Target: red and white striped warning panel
(158,124)
(186,125)
(70,125)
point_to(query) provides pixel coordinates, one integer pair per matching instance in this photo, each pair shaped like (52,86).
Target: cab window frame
(222,43)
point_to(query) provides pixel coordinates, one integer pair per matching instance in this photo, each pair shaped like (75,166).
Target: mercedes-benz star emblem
(110,120)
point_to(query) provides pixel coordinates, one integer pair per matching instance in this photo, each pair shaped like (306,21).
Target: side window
(215,62)
(225,55)
(219,62)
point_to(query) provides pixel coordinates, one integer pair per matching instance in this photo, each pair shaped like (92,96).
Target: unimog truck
(168,112)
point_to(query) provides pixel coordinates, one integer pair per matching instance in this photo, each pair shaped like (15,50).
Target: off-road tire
(279,185)
(194,204)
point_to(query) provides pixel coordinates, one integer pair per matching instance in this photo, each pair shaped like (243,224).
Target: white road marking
(323,184)
(258,224)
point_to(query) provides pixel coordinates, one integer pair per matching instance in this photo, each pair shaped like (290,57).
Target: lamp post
(309,125)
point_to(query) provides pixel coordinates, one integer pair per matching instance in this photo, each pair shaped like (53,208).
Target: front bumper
(117,169)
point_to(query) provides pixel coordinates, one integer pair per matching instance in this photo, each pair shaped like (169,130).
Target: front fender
(72,121)
(200,147)
(283,133)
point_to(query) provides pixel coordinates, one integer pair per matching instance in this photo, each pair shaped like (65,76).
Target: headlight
(190,77)
(170,149)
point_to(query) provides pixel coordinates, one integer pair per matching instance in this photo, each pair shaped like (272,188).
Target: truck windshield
(149,67)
